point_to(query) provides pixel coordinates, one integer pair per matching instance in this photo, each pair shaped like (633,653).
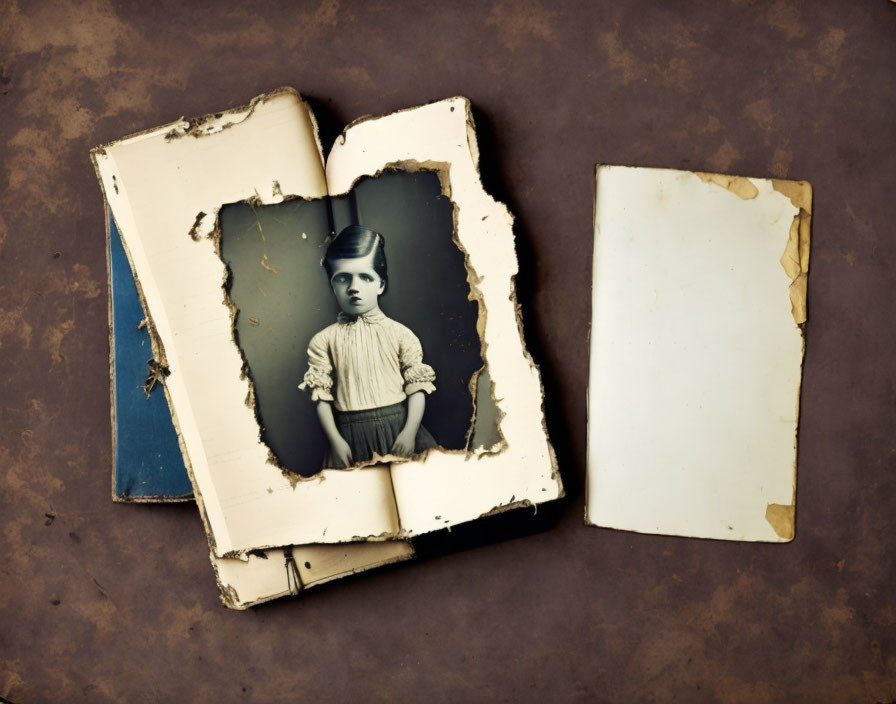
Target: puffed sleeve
(319,377)
(417,375)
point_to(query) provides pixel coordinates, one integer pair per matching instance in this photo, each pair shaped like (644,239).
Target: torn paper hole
(280,298)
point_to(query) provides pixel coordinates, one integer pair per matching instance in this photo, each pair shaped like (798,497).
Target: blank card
(699,300)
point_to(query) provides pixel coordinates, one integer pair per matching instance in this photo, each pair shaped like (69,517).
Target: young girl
(366,371)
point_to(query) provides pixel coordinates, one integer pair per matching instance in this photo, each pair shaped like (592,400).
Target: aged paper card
(696,353)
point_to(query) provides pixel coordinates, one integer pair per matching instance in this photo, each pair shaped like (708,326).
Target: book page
(267,575)
(511,462)
(165,187)
(696,353)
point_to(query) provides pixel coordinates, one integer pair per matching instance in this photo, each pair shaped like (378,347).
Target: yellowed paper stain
(799,192)
(781,518)
(795,258)
(740,186)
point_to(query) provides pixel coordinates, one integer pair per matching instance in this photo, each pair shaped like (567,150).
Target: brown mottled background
(118,603)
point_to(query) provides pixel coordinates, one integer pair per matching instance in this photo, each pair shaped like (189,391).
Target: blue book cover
(148,464)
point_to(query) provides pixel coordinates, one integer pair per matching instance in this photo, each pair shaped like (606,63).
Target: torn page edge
(795,258)
(204,125)
(384,537)
(795,261)
(473,147)
(512,505)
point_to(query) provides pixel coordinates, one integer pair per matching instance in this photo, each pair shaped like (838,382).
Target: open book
(699,303)
(234,295)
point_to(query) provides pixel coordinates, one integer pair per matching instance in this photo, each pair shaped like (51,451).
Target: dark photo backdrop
(283,297)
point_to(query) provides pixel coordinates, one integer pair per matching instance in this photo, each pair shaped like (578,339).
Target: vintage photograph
(356,323)
(332,321)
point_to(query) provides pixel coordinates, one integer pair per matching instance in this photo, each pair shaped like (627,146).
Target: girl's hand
(342,452)
(407,439)
(404,444)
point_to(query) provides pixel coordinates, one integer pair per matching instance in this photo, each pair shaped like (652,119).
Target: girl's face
(356,285)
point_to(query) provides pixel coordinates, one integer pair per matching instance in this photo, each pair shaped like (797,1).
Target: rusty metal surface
(103,602)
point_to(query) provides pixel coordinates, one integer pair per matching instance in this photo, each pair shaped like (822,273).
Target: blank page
(696,353)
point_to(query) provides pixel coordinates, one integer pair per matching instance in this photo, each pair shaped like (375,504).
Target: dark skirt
(374,431)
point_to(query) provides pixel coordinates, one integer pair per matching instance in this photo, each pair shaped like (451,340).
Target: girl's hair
(354,242)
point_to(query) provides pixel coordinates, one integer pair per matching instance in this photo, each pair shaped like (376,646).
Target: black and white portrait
(357,325)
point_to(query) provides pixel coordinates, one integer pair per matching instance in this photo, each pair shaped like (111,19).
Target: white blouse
(376,362)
